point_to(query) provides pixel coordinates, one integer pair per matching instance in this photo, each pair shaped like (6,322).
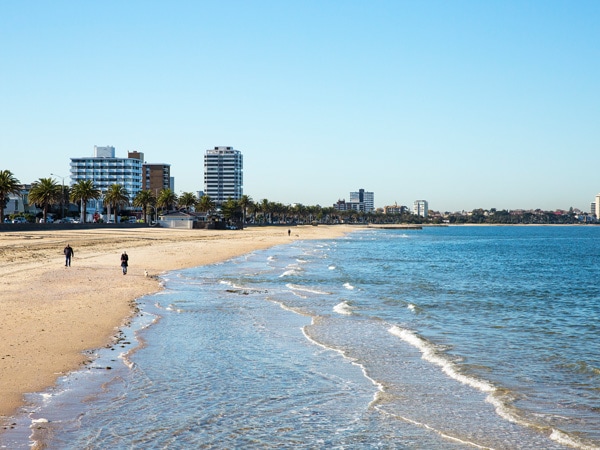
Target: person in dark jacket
(69,253)
(124,262)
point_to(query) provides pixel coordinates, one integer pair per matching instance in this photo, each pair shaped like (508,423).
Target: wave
(348,286)
(288,273)
(296,287)
(343,308)
(430,354)
(499,398)
(352,361)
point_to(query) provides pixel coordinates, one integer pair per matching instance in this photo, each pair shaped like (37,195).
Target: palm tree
(82,191)
(265,208)
(205,204)
(116,195)
(245,201)
(187,200)
(8,185)
(231,210)
(253,208)
(166,199)
(144,199)
(45,192)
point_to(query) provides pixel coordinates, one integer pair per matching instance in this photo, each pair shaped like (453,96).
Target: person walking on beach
(69,253)
(124,262)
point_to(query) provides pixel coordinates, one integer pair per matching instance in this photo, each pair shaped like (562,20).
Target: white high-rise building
(421,208)
(104,169)
(223,174)
(597,207)
(359,201)
(364,200)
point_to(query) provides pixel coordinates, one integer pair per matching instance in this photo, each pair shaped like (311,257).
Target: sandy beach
(51,314)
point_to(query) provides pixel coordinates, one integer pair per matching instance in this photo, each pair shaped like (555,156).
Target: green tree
(205,204)
(232,211)
(144,199)
(115,196)
(245,202)
(82,191)
(187,200)
(45,192)
(166,199)
(8,185)
(265,209)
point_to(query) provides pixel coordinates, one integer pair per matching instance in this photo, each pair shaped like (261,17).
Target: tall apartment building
(104,169)
(365,200)
(421,208)
(156,177)
(596,207)
(359,201)
(223,174)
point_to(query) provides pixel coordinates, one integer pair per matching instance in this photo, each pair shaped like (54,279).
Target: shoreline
(50,315)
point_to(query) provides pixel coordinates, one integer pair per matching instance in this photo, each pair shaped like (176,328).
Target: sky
(465,104)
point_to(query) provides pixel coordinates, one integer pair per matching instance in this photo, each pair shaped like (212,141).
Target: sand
(51,316)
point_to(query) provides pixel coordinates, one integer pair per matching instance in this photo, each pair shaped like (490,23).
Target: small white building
(177,220)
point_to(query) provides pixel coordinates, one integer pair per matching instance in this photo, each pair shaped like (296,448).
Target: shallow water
(474,337)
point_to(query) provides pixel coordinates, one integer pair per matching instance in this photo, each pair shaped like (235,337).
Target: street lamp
(62,195)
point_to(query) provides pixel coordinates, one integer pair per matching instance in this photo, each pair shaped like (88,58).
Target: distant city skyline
(367,203)
(465,104)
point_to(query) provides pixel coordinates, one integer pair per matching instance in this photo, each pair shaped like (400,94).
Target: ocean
(441,338)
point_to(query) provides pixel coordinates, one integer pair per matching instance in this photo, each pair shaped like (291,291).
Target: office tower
(223,174)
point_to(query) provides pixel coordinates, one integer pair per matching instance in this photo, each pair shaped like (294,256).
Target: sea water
(440,338)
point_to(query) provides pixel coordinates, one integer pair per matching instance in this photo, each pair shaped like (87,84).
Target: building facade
(394,209)
(104,170)
(223,174)
(156,177)
(421,208)
(18,203)
(365,200)
(359,201)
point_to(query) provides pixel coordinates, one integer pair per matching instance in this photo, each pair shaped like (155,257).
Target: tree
(45,192)
(115,196)
(245,202)
(187,200)
(265,208)
(82,191)
(231,210)
(166,199)
(144,199)
(8,185)
(205,204)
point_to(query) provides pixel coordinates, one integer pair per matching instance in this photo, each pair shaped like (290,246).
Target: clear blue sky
(467,104)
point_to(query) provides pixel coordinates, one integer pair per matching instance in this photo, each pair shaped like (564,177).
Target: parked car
(19,220)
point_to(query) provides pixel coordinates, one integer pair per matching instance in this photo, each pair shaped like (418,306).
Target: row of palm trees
(46,192)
